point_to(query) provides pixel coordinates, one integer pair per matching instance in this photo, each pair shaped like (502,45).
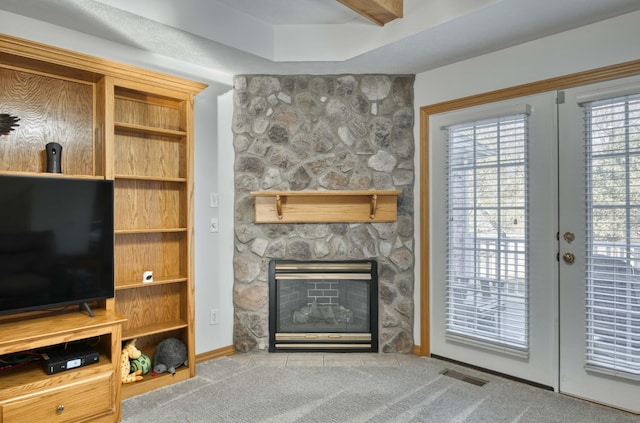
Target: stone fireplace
(323,306)
(325,132)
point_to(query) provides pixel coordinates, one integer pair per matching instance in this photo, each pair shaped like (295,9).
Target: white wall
(226,193)
(605,43)
(213,251)
(213,165)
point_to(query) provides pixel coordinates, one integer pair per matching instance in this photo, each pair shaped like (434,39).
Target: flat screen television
(56,242)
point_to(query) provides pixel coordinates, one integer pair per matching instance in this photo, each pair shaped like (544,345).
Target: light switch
(213,199)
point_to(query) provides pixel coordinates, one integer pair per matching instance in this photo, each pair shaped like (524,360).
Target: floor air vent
(465,378)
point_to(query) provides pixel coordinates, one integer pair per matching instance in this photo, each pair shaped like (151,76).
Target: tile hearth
(307,359)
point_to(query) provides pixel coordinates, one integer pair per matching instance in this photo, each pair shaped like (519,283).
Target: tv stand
(84,306)
(82,394)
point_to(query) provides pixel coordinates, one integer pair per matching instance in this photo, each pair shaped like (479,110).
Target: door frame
(558,83)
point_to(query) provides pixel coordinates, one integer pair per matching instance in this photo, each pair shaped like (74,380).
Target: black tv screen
(56,242)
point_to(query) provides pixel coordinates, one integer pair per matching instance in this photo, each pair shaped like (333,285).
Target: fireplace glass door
(323,306)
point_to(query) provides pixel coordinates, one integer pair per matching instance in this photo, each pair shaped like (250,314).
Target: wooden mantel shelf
(326,206)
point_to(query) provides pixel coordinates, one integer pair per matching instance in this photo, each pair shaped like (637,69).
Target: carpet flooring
(345,388)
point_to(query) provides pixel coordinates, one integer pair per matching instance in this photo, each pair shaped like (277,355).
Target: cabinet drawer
(71,403)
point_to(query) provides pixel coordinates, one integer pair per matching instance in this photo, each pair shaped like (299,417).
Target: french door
(599,281)
(538,219)
(494,273)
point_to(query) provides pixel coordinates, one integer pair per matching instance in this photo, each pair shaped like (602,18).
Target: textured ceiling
(286,12)
(318,36)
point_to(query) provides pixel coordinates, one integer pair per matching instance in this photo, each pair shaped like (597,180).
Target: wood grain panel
(46,58)
(325,206)
(50,110)
(93,397)
(149,204)
(151,305)
(100,128)
(163,253)
(147,343)
(136,112)
(378,11)
(137,154)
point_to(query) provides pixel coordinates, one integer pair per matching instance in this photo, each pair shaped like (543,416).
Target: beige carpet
(344,388)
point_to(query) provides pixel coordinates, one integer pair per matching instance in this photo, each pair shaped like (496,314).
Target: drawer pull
(60,409)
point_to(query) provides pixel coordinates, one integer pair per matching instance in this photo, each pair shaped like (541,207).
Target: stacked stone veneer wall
(329,132)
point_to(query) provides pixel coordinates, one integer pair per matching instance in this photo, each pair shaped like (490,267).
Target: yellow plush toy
(129,352)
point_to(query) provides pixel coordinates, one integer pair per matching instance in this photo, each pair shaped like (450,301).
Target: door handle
(568,258)
(569,237)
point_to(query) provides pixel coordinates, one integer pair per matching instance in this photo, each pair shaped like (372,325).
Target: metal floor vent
(465,378)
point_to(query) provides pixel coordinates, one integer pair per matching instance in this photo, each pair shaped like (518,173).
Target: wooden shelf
(149,178)
(33,376)
(326,206)
(153,329)
(149,382)
(40,332)
(149,130)
(149,231)
(156,281)
(49,175)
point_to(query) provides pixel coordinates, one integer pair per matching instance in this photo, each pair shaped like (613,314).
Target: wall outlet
(213,316)
(213,224)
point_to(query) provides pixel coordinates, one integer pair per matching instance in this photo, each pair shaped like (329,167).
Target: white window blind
(612,133)
(487,266)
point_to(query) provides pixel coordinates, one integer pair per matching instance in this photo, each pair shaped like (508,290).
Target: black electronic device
(56,242)
(60,359)
(54,157)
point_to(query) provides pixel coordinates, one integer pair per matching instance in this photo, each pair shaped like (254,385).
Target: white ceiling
(318,36)
(283,12)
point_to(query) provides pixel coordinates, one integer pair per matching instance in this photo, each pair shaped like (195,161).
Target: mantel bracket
(279,206)
(372,208)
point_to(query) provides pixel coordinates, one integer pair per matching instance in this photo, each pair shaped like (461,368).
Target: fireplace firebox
(323,306)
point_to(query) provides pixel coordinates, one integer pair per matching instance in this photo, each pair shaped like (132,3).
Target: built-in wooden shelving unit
(326,206)
(153,162)
(134,127)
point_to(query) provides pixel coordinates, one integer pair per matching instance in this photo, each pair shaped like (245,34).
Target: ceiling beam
(379,11)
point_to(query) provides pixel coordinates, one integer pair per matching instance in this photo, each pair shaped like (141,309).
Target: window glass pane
(487,227)
(612,129)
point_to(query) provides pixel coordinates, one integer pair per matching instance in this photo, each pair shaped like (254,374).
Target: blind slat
(612,294)
(487,303)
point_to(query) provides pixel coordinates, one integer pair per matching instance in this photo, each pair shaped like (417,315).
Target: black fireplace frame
(354,342)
